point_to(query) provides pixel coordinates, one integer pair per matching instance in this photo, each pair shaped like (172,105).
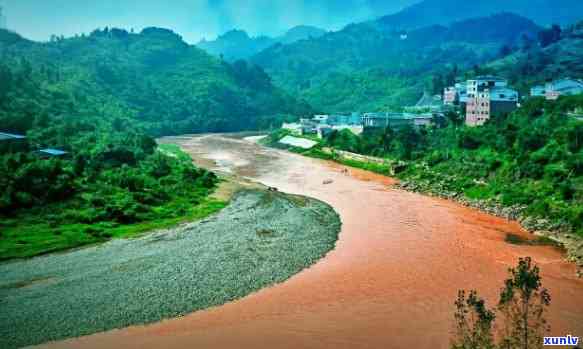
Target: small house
(538,91)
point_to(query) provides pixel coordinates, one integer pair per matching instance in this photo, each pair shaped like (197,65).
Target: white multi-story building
(488,95)
(484,82)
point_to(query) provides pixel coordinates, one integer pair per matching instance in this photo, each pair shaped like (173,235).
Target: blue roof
(4,135)
(55,152)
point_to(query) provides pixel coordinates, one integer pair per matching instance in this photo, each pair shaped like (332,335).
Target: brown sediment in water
(390,282)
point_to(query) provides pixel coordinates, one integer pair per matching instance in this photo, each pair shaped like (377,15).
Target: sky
(193,19)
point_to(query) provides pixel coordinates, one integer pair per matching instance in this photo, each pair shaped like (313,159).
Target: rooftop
(395,116)
(489,78)
(503,94)
(566,84)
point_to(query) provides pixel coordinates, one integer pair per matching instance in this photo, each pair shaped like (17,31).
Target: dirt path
(390,282)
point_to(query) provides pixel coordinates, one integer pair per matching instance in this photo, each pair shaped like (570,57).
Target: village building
(345,119)
(396,120)
(294,127)
(455,95)
(321,119)
(481,83)
(563,87)
(538,91)
(488,95)
(308,126)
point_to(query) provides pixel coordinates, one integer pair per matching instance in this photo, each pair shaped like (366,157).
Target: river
(390,282)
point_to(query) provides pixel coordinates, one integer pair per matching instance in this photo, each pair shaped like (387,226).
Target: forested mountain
(101,99)
(237,44)
(365,68)
(152,78)
(560,56)
(429,12)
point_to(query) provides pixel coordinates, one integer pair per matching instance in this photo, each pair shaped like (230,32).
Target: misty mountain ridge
(429,12)
(364,67)
(237,44)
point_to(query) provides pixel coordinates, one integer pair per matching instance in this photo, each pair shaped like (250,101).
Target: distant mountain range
(237,44)
(429,12)
(364,67)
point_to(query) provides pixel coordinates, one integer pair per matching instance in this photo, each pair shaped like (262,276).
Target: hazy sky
(193,19)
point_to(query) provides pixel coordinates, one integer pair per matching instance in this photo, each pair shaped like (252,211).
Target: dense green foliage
(112,186)
(538,62)
(364,67)
(154,79)
(114,180)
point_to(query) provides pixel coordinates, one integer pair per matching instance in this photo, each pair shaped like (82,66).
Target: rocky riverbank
(539,227)
(261,238)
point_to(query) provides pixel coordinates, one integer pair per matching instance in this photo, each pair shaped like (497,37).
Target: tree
(387,138)
(549,36)
(408,139)
(523,302)
(437,84)
(473,323)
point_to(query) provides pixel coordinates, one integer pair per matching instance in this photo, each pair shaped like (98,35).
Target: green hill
(155,79)
(536,65)
(364,67)
(101,99)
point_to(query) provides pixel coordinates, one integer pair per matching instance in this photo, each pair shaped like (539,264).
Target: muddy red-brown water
(390,282)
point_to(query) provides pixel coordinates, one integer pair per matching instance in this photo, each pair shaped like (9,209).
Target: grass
(317,153)
(53,228)
(30,234)
(368,166)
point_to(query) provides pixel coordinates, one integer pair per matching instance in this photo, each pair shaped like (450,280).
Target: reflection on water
(390,282)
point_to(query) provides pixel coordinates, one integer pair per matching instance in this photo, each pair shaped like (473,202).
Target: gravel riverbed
(260,239)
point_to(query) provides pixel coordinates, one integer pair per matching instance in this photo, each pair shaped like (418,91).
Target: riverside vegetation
(527,165)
